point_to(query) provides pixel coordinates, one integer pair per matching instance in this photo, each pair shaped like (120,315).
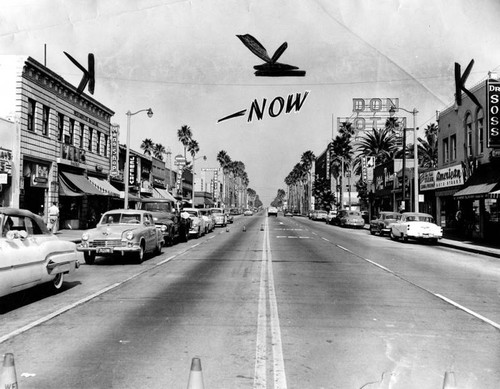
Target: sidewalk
(473,247)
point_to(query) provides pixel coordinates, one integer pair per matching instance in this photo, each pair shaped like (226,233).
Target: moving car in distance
(381,225)
(198,224)
(416,225)
(30,254)
(122,231)
(272,211)
(352,219)
(288,213)
(247,212)
(220,216)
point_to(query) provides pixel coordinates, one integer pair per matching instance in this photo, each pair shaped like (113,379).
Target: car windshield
(420,218)
(192,213)
(216,210)
(388,216)
(354,213)
(121,218)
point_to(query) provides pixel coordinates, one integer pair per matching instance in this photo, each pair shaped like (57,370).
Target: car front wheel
(393,237)
(139,256)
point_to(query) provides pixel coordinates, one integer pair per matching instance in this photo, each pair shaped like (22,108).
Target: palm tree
(184,134)
(307,160)
(147,145)
(341,150)
(428,147)
(380,144)
(158,151)
(193,147)
(224,161)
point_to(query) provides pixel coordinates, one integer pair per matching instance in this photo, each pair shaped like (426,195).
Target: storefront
(5,177)
(477,216)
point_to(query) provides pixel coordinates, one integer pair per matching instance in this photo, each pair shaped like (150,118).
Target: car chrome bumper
(109,250)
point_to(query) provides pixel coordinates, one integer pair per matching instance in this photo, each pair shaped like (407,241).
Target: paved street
(288,303)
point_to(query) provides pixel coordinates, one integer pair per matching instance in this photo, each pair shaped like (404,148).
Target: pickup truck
(168,217)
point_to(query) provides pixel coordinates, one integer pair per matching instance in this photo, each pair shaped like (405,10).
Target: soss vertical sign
(493,113)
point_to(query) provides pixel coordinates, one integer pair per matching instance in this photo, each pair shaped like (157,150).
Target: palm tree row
(234,180)
(299,183)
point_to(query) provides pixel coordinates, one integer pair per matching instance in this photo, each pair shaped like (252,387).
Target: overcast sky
(183,59)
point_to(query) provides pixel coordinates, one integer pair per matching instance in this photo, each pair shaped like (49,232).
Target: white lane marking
(260,378)
(469,311)
(85,299)
(325,239)
(56,313)
(343,248)
(278,362)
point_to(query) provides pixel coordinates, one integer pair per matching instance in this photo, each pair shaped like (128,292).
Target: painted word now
(275,108)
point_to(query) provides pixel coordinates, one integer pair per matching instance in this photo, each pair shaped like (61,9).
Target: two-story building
(468,174)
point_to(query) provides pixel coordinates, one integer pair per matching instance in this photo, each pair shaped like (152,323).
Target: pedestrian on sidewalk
(53,218)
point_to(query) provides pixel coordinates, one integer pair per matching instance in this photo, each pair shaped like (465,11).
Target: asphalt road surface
(287,303)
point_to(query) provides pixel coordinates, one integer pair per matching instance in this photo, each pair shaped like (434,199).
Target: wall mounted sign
(270,68)
(493,113)
(275,108)
(88,75)
(114,132)
(442,178)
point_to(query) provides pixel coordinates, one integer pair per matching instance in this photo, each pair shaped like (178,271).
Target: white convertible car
(416,225)
(30,254)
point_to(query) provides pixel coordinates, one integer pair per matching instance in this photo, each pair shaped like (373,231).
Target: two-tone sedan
(352,219)
(30,254)
(198,224)
(220,216)
(122,231)
(416,225)
(382,224)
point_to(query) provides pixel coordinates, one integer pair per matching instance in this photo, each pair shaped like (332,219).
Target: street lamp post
(127,154)
(415,157)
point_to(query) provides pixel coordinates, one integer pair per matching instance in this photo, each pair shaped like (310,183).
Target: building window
(45,120)
(90,139)
(98,138)
(446,151)
(480,132)
(68,139)
(453,148)
(82,128)
(106,145)
(60,127)
(31,114)
(468,135)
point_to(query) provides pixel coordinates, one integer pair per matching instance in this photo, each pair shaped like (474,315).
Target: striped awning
(104,186)
(79,184)
(474,191)
(494,195)
(163,194)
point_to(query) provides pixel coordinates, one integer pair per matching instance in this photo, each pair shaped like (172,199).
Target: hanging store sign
(493,113)
(114,152)
(132,170)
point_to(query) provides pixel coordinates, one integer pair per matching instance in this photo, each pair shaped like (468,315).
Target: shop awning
(474,191)
(163,194)
(65,190)
(494,195)
(104,186)
(79,184)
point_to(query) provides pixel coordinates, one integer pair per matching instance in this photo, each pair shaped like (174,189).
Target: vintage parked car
(381,224)
(319,214)
(198,223)
(352,219)
(209,219)
(31,255)
(220,216)
(122,231)
(330,216)
(416,225)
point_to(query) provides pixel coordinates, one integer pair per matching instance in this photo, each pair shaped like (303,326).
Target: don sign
(493,113)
